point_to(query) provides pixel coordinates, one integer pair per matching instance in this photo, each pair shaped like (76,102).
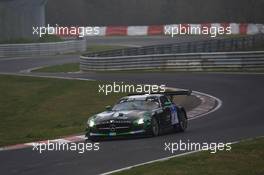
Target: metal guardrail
(213,45)
(33,49)
(195,56)
(180,62)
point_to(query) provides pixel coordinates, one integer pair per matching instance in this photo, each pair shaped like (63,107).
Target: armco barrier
(33,49)
(214,45)
(187,61)
(198,56)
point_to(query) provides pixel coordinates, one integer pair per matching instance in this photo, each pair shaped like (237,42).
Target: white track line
(168,158)
(219,104)
(149,162)
(29,70)
(83,137)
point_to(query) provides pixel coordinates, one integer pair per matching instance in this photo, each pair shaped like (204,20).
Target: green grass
(69,67)
(245,158)
(41,108)
(74,67)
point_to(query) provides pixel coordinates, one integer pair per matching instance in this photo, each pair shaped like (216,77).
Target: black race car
(139,114)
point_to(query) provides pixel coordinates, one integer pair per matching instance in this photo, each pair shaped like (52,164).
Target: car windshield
(136,105)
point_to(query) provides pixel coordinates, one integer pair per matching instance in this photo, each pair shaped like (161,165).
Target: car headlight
(140,121)
(91,123)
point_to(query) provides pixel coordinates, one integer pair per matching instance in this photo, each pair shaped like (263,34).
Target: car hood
(119,115)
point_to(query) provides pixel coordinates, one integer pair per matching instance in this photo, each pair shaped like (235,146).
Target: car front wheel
(155,129)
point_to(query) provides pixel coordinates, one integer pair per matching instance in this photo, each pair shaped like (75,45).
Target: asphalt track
(240,117)
(14,65)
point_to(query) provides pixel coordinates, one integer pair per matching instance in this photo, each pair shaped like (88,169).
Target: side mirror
(108,108)
(167,104)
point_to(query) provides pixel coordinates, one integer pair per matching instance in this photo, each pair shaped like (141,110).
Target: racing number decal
(174,116)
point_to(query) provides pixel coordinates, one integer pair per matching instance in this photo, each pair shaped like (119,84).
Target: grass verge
(34,109)
(69,67)
(245,158)
(41,108)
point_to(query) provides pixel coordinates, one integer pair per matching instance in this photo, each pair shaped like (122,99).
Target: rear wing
(167,93)
(179,92)
(171,94)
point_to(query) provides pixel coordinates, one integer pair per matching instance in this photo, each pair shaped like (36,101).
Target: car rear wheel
(183,122)
(155,129)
